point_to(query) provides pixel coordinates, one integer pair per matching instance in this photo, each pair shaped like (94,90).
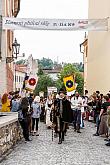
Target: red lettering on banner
(83,22)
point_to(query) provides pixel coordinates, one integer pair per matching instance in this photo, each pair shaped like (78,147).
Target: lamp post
(15,50)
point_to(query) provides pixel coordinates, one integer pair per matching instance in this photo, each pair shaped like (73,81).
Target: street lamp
(15,50)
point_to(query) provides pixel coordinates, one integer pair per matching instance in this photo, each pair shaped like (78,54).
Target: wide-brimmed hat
(62,90)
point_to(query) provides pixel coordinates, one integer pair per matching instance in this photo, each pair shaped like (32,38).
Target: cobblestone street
(77,149)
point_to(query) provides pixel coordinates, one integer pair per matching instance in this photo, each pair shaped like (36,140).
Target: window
(15,78)
(19,79)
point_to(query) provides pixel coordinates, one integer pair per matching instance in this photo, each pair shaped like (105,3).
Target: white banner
(55,24)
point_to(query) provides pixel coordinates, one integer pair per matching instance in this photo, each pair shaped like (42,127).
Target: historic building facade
(98,63)
(8,8)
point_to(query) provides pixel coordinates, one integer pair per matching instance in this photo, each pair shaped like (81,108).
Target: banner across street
(55,24)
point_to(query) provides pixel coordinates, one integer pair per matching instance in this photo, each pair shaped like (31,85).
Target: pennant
(69,83)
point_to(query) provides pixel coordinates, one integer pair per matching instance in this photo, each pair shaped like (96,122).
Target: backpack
(15,106)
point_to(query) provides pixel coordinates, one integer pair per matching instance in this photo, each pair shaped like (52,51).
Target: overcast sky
(57,45)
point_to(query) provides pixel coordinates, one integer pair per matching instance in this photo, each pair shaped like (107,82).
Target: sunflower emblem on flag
(69,83)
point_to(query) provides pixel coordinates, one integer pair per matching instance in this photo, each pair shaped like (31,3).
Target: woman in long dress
(103,129)
(48,111)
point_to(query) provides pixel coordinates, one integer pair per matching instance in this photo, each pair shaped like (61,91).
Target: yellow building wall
(98,66)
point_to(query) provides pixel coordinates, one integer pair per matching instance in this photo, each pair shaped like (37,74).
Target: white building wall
(18,81)
(3,81)
(98,77)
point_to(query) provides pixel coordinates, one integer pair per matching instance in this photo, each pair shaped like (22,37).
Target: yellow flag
(69,83)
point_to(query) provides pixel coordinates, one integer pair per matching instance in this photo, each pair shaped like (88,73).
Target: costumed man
(63,114)
(76,104)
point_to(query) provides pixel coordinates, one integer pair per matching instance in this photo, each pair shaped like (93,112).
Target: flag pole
(52,126)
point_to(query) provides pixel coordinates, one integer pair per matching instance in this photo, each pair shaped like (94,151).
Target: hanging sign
(55,24)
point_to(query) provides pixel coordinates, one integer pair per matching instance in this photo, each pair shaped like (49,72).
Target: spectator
(15,104)
(23,117)
(108,124)
(103,129)
(5,103)
(36,114)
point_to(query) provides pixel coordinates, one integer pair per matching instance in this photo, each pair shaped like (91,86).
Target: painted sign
(55,24)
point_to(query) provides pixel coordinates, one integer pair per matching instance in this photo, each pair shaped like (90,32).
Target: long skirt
(48,122)
(103,129)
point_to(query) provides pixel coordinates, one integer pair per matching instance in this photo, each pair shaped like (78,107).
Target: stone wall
(10,133)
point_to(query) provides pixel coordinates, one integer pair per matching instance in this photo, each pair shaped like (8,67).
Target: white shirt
(75,102)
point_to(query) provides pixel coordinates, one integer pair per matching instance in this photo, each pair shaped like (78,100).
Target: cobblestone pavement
(77,149)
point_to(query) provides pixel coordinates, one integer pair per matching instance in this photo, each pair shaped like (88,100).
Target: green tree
(70,69)
(46,63)
(44,81)
(80,81)
(40,70)
(79,66)
(20,62)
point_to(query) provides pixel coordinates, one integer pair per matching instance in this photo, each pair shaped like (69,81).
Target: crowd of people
(58,111)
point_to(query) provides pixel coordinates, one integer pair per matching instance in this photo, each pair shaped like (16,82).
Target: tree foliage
(68,70)
(79,66)
(46,63)
(40,70)
(44,81)
(20,62)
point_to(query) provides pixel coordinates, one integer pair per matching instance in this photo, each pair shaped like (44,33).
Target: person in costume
(63,114)
(48,111)
(76,105)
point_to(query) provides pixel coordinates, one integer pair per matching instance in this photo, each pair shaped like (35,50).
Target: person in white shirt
(76,105)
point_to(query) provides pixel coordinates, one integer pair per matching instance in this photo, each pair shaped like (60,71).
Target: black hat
(62,90)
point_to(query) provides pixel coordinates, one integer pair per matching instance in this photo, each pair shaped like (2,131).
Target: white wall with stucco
(98,77)
(3,83)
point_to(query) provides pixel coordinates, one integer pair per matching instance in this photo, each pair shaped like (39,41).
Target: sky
(60,46)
